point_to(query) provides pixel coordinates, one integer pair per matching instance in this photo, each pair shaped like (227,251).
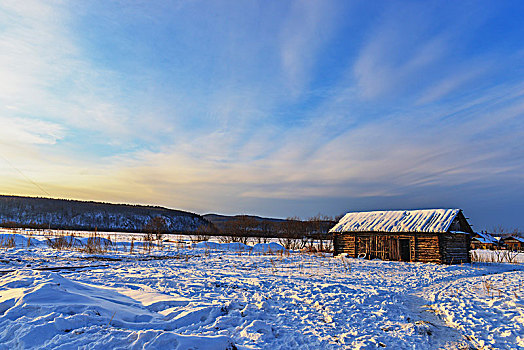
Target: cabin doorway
(403,245)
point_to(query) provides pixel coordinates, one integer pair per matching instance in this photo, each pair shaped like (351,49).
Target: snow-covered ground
(219,297)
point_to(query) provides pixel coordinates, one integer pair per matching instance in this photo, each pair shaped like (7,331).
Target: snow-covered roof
(426,220)
(485,238)
(520,239)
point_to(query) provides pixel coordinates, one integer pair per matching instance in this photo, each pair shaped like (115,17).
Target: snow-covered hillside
(213,297)
(69,214)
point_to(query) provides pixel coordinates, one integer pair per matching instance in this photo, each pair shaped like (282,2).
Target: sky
(274,108)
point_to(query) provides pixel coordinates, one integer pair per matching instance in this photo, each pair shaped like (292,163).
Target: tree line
(292,233)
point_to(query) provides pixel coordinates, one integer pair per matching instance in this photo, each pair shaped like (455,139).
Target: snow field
(488,310)
(219,298)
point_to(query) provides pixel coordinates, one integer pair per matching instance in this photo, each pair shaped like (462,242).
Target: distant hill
(81,215)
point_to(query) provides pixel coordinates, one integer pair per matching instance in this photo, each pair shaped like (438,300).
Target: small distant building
(482,240)
(431,235)
(513,242)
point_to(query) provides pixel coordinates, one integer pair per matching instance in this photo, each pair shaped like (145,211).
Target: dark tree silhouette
(156,226)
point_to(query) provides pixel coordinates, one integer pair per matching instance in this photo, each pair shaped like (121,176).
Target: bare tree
(156,226)
(290,233)
(203,232)
(240,229)
(266,230)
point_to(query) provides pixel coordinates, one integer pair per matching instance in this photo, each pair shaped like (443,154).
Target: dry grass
(198,238)
(7,242)
(62,242)
(148,243)
(96,245)
(500,289)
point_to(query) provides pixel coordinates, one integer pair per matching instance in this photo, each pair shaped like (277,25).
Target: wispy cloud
(309,26)
(29,131)
(454,80)
(388,157)
(49,77)
(397,53)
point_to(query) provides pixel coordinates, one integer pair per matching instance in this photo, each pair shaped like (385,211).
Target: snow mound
(240,247)
(99,240)
(69,240)
(235,246)
(45,310)
(19,240)
(268,248)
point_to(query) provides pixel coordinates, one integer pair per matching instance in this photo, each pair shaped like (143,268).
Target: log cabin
(483,240)
(514,243)
(430,235)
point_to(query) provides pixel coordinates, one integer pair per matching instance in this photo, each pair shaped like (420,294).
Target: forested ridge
(35,212)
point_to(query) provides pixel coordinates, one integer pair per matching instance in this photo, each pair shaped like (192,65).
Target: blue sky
(273,108)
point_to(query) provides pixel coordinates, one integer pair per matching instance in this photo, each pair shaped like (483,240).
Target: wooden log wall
(428,248)
(424,247)
(455,248)
(344,243)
